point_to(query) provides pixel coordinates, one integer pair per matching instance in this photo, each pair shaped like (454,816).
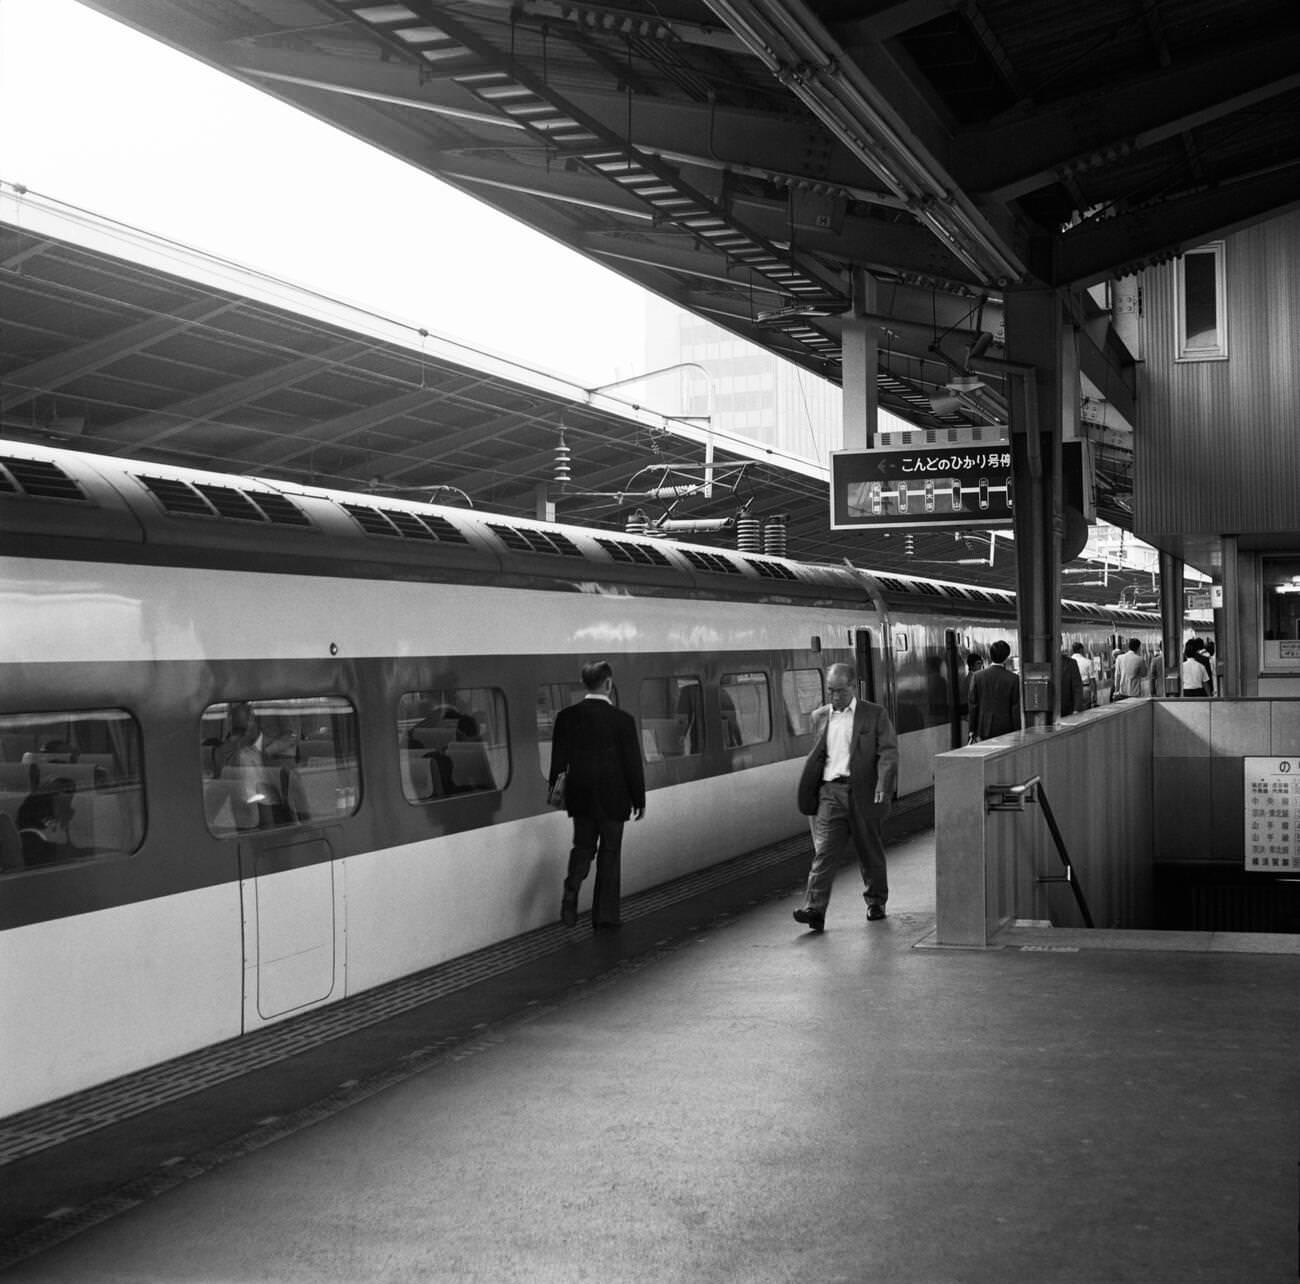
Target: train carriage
(299,738)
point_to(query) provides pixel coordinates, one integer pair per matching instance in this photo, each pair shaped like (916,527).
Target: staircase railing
(1014,798)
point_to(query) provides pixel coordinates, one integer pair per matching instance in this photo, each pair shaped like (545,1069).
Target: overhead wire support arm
(1014,798)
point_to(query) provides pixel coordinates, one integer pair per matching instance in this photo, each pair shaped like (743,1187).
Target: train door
(291,893)
(873,673)
(956,686)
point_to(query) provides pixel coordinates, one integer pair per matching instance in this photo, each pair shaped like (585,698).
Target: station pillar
(1171,622)
(861,358)
(1038,399)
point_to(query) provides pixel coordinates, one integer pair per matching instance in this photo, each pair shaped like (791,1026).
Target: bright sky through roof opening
(95,115)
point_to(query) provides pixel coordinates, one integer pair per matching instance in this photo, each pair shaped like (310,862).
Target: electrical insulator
(749,538)
(909,545)
(774,543)
(637,522)
(562,471)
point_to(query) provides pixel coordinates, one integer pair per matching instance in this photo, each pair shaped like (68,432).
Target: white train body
(403,662)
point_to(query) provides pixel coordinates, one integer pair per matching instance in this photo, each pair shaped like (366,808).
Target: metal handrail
(1014,798)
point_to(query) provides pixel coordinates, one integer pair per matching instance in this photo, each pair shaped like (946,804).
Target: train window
(746,707)
(271,763)
(802,691)
(551,698)
(453,741)
(70,787)
(672,717)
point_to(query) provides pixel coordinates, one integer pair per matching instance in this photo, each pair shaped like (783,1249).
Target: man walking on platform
(994,697)
(595,744)
(846,787)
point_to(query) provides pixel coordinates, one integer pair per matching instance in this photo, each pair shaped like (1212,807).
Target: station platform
(712,1093)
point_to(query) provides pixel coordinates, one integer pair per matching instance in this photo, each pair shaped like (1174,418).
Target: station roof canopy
(757,163)
(119,343)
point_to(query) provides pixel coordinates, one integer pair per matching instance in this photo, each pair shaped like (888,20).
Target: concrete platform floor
(746,1101)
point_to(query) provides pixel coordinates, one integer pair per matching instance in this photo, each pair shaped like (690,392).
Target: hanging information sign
(922,486)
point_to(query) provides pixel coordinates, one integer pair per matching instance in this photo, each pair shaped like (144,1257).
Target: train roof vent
(403,524)
(230,502)
(177,496)
(409,524)
(371,520)
(207,499)
(38,478)
(924,586)
(772,570)
(893,585)
(442,529)
(523,540)
(623,551)
(711,562)
(279,509)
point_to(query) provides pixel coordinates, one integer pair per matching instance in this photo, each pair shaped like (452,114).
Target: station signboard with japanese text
(899,486)
(893,487)
(1273,814)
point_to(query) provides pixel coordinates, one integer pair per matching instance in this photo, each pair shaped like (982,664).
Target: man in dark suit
(994,697)
(847,784)
(596,744)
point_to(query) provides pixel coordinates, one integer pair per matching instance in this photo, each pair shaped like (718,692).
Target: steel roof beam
(1009,159)
(158,425)
(1119,246)
(809,62)
(53,373)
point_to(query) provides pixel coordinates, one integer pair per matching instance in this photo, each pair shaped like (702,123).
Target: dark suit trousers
(601,841)
(834,825)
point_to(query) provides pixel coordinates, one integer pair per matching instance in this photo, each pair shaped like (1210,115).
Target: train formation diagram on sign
(272,745)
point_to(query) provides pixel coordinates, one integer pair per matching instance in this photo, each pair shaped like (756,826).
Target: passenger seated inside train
(43,820)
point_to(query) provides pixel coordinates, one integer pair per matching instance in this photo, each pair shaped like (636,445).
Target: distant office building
(743,390)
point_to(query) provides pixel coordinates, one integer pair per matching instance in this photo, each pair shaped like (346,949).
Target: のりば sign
(922,486)
(1272,813)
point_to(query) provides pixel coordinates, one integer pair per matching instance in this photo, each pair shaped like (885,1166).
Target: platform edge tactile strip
(56,1122)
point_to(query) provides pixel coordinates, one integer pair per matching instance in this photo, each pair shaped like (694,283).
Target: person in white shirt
(847,785)
(1130,672)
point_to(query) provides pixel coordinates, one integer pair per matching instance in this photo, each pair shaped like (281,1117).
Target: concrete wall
(1130,784)
(1199,780)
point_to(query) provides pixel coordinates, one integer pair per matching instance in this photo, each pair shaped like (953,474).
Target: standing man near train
(847,785)
(995,697)
(595,745)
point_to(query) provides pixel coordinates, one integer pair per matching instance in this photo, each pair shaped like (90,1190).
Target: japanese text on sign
(1272,813)
(948,463)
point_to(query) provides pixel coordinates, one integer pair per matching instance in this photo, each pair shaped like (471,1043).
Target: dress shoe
(875,913)
(569,911)
(816,922)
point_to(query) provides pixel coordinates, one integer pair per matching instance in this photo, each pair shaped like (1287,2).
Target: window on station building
(672,717)
(746,707)
(802,691)
(452,742)
(1200,305)
(1280,613)
(70,787)
(271,763)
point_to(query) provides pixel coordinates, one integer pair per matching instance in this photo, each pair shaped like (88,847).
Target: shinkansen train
(265,746)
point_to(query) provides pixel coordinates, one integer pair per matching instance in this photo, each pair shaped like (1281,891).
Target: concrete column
(1227,625)
(1034,339)
(1171,621)
(860,349)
